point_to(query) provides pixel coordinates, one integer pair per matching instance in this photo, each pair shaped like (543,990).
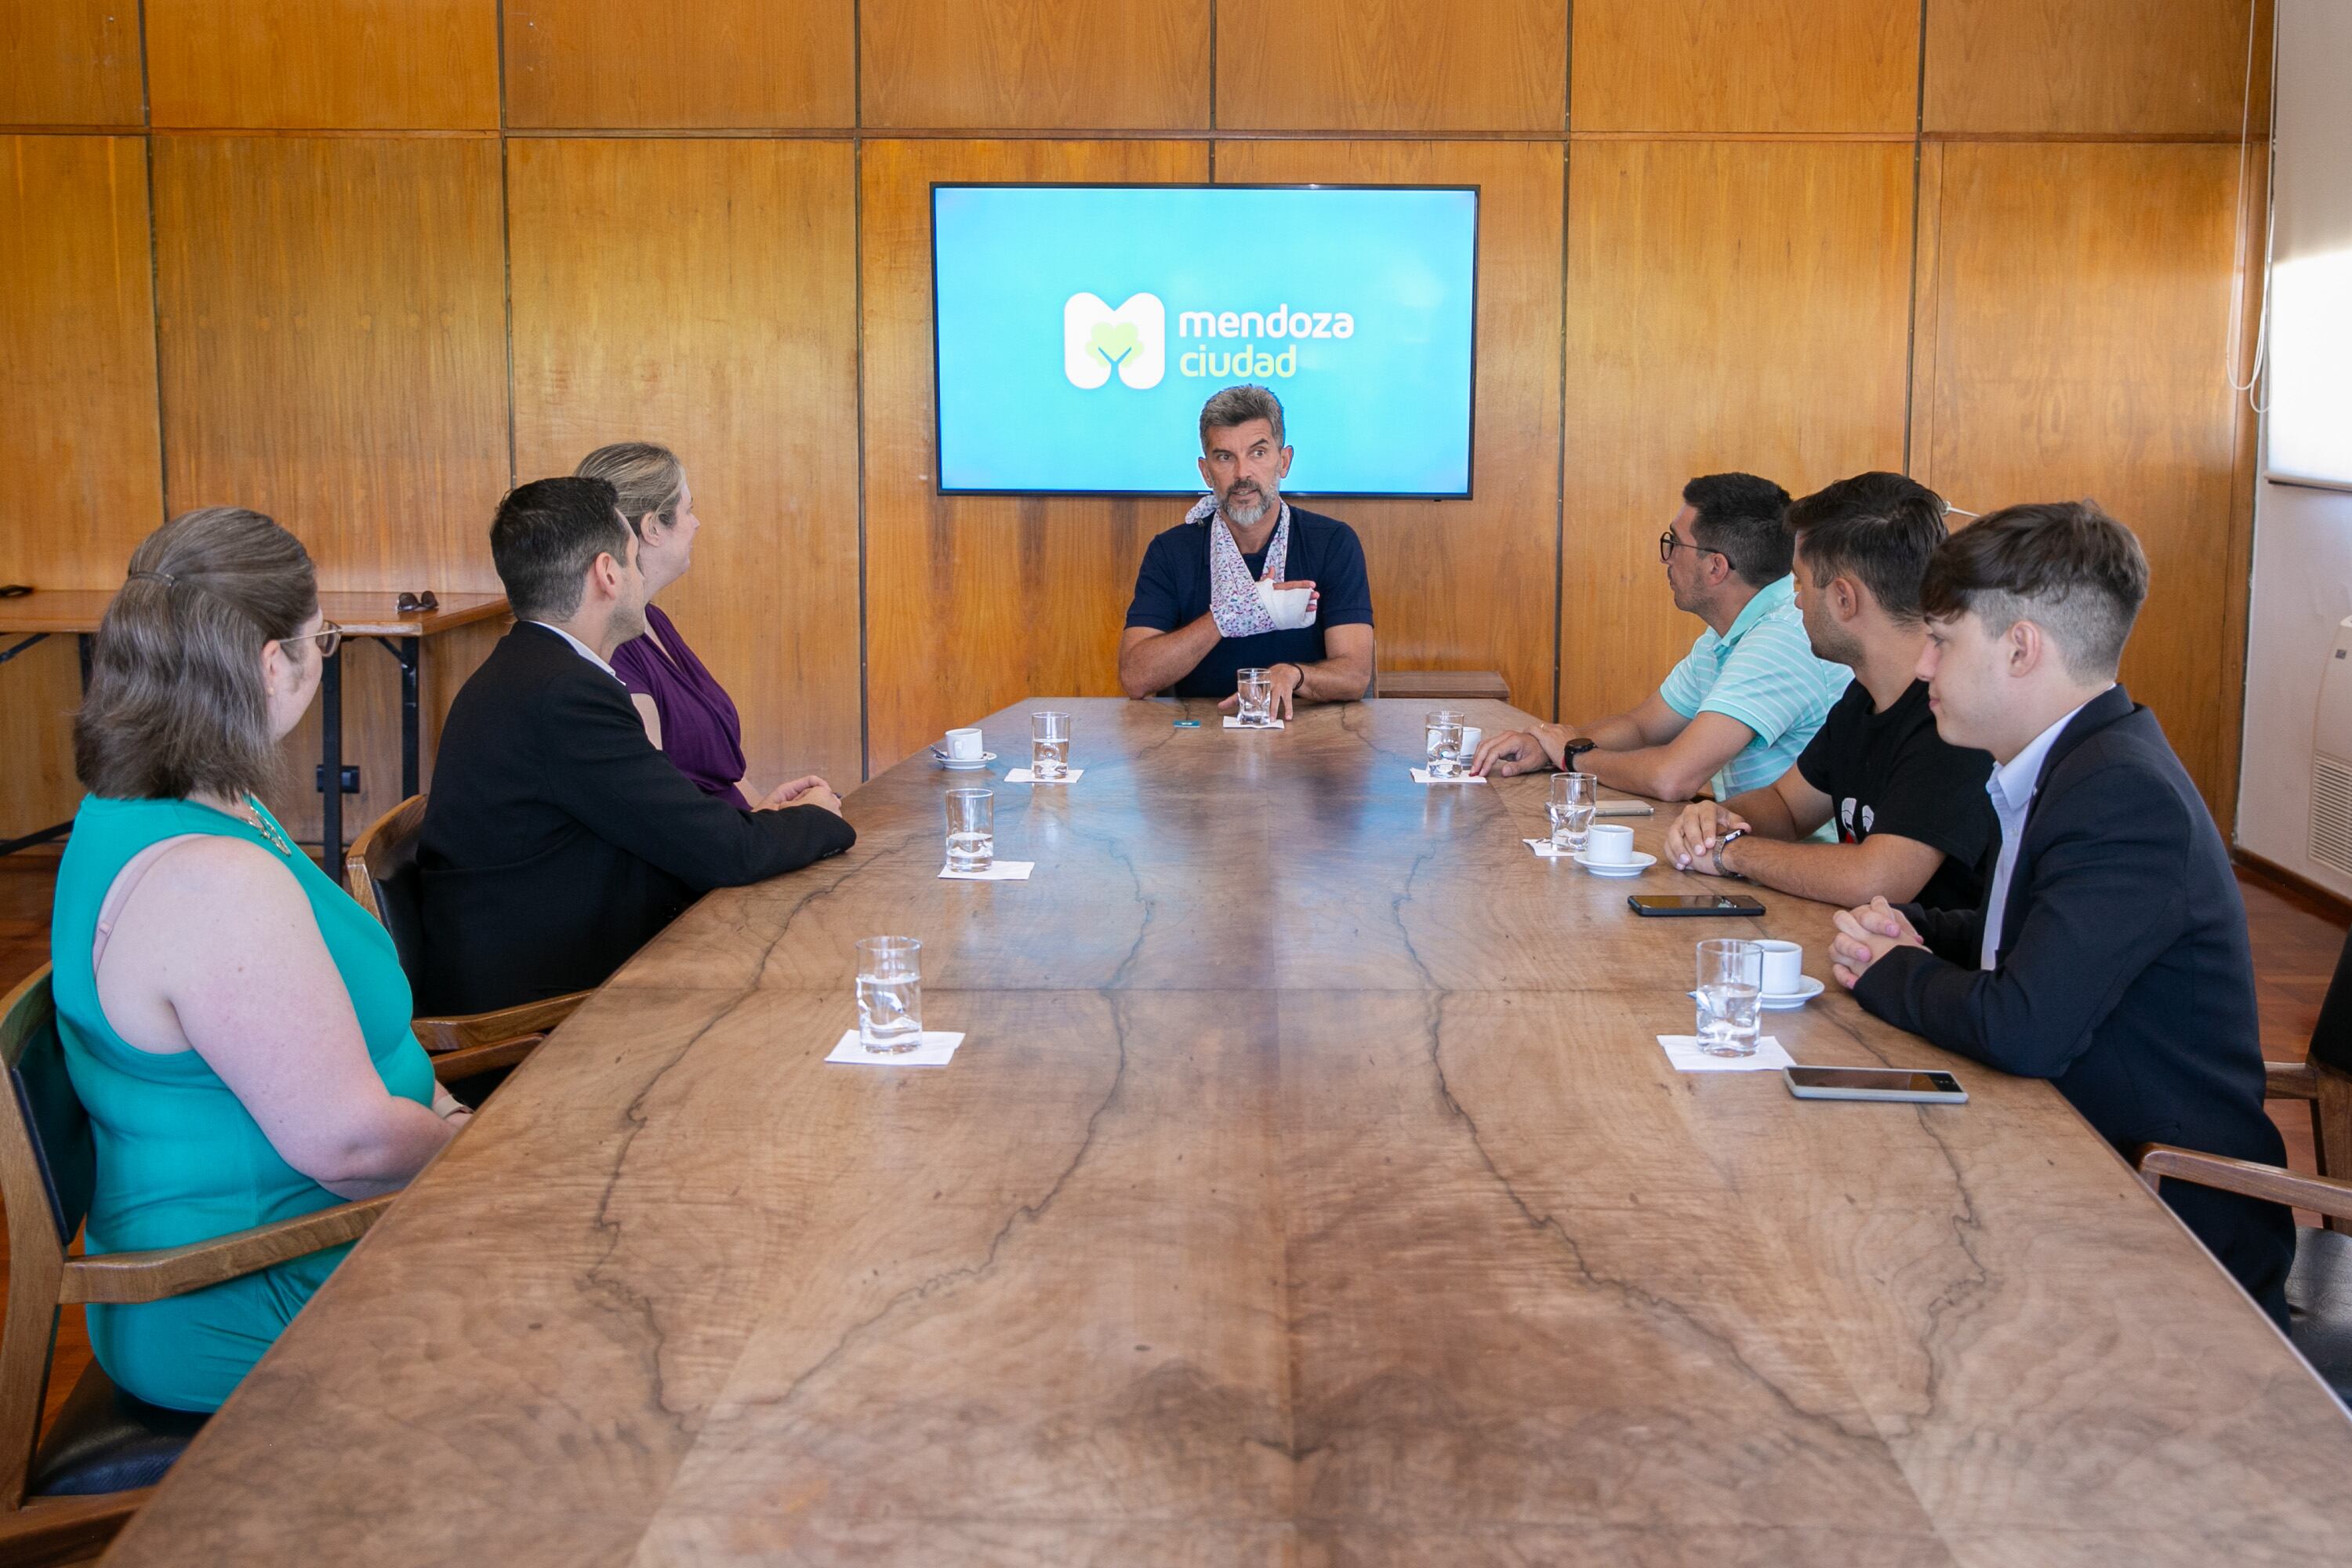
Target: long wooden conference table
(1310,1189)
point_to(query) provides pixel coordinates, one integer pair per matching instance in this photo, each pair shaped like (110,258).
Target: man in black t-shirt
(1912,821)
(1249,581)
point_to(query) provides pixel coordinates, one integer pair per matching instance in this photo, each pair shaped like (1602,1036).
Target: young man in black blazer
(2110,953)
(557,840)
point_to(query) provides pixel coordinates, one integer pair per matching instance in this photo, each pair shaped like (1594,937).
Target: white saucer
(1805,992)
(962,764)
(1786,1003)
(1633,867)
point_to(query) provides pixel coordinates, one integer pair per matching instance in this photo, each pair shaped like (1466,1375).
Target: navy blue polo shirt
(1172,590)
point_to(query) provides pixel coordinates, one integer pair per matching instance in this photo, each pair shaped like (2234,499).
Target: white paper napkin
(1545,850)
(1023,776)
(1684,1052)
(1421,775)
(1232,721)
(934,1050)
(998,871)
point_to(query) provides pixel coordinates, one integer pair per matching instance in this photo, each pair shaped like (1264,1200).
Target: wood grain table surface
(1310,1189)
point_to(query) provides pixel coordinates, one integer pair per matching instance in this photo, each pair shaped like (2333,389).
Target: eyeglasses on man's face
(1668,544)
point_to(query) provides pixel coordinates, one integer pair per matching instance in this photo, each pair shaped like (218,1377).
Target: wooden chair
(1441,685)
(2324,1079)
(66,1492)
(381,873)
(2319,1290)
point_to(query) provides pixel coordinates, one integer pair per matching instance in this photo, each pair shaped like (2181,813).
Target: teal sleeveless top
(179,1158)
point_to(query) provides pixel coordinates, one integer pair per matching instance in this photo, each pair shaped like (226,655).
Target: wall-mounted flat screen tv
(1078,328)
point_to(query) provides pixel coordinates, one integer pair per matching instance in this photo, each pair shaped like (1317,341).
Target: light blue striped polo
(1763,674)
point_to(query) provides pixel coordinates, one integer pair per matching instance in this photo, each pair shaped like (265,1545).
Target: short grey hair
(1239,406)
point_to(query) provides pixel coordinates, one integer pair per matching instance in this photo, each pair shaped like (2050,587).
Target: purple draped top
(701,732)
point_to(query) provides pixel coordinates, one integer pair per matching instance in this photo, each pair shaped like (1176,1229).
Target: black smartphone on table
(1672,904)
(1918,1086)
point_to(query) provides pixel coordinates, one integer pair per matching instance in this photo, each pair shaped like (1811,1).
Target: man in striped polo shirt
(1735,713)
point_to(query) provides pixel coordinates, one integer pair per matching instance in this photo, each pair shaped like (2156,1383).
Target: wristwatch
(1577,746)
(1722,843)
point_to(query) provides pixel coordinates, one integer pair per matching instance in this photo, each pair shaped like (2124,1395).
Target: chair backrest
(2331,1037)
(381,873)
(45,1166)
(47,1160)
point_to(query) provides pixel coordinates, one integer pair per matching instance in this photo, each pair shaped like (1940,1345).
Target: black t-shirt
(1892,772)
(1172,590)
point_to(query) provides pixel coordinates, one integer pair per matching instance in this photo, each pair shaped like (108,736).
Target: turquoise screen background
(1383,410)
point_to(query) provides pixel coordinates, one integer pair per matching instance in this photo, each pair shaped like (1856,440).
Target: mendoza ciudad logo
(1132,341)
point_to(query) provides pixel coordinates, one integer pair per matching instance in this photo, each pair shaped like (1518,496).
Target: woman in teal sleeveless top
(181,1158)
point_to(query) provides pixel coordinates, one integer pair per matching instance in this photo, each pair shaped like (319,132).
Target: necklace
(263,825)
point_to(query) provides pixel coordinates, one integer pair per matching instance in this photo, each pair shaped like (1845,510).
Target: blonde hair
(649,479)
(175,702)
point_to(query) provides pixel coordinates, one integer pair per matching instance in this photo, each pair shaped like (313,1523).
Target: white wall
(2303,537)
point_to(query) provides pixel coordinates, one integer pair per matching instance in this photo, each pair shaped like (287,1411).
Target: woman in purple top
(687,713)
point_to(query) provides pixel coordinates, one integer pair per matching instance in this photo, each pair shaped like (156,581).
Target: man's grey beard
(1243,514)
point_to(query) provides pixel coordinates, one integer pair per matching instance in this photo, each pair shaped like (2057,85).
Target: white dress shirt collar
(584,651)
(2013,783)
(2011,787)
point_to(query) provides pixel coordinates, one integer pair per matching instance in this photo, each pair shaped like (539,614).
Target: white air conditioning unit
(2331,759)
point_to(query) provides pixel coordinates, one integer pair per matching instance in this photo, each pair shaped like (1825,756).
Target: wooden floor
(2296,949)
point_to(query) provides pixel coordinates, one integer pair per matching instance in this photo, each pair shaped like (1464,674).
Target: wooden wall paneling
(1841,65)
(70,62)
(704,64)
(1006,65)
(333,346)
(1391,65)
(2084,297)
(1731,305)
(373,65)
(1467,584)
(704,294)
(1920,441)
(2094,66)
(975,601)
(82,481)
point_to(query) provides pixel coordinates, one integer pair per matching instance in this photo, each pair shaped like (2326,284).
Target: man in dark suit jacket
(557,840)
(2110,953)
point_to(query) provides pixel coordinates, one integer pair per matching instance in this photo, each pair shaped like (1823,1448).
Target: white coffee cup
(1471,736)
(1784,968)
(963,745)
(1611,844)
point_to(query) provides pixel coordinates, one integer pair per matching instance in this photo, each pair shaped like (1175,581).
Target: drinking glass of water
(1731,982)
(971,829)
(1255,688)
(889,993)
(1049,747)
(1445,744)
(1574,798)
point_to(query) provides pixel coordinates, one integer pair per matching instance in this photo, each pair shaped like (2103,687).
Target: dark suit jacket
(557,840)
(2124,974)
